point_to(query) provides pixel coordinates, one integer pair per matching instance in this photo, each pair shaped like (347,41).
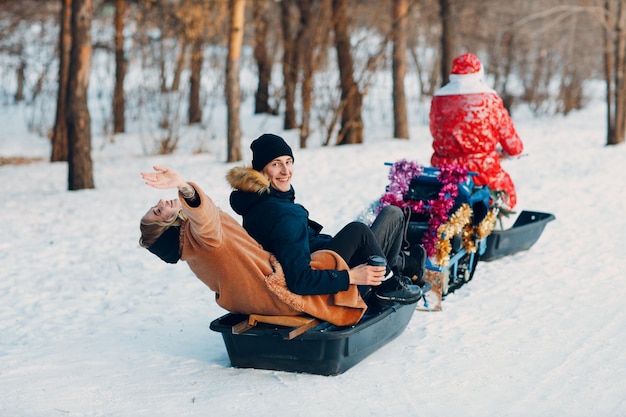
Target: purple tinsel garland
(400,176)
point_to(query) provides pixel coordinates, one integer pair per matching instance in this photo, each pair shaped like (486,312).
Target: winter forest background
(91,324)
(163,68)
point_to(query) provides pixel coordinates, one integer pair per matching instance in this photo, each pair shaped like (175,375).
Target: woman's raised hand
(163,177)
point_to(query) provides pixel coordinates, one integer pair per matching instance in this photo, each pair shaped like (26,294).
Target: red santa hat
(466,64)
(466,77)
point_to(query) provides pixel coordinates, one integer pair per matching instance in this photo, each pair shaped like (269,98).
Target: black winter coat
(283,228)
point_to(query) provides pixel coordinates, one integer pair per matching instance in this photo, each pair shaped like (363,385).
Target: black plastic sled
(526,230)
(323,350)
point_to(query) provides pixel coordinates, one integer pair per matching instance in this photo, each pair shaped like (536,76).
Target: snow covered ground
(93,325)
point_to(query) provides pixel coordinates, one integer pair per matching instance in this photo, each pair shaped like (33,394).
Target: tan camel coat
(247,279)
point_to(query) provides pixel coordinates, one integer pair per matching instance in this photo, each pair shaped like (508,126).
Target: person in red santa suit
(470,127)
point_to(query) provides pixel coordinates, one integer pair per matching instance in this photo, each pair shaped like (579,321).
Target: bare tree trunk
(312,58)
(306,46)
(447,39)
(399,64)
(59,134)
(614,31)
(19,92)
(162,69)
(197,56)
(506,51)
(119,121)
(262,58)
(233,95)
(80,174)
(571,85)
(426,88)
(351,98)
(290,64)
(314,28)
(620,81)
(180,64)
(609,47)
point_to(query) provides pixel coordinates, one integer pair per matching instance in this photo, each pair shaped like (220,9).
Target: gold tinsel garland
(459,222)
(479,232)
(455,224)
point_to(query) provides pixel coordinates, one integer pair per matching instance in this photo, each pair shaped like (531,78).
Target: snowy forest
(95,92)
(163,65)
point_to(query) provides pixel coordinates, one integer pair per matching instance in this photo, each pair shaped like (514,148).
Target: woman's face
(163,211)
(279,171)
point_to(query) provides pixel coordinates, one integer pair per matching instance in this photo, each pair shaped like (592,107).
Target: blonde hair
(151,230)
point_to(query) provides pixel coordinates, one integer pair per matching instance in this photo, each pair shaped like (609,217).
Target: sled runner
(526,230)
(324,349)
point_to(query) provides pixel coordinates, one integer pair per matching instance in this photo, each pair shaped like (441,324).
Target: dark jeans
(356,241)
(389,231)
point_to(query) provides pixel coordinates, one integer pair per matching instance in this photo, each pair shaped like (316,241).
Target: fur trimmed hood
(250,187)
(248,179)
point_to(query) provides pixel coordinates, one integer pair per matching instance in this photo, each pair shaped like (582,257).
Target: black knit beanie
(266,148)
(167,246)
